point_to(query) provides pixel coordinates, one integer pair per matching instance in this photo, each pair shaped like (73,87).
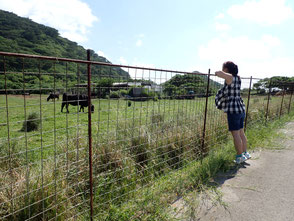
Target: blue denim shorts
(236,121)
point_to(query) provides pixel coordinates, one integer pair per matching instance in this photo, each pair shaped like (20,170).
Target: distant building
(122,85)
(138,87)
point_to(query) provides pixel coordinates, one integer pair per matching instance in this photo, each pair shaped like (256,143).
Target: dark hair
(232,68)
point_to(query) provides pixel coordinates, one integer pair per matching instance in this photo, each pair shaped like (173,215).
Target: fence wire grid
(62,159)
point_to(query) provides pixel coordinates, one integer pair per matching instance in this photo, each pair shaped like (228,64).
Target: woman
(233,105)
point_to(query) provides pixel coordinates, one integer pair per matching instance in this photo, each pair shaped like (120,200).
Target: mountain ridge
(22,35)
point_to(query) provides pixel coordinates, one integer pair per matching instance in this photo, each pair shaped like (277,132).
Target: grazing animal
(280,93)
(75,100)
(53,96)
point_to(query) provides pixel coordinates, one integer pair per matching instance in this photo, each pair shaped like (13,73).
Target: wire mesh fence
(78,136)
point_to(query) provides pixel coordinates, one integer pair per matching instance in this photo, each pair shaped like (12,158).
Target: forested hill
(22,35)
(180,85)
(212,83)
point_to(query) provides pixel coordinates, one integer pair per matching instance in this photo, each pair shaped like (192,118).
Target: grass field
(44,173)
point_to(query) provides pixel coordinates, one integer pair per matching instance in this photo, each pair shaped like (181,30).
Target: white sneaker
(247,155)
(243,154)
(240,160)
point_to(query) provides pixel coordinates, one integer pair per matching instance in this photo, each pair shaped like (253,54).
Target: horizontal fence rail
(79,138)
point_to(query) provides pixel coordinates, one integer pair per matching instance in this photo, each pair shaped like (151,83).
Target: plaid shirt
(229,99)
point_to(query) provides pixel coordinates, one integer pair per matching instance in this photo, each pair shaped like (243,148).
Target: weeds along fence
(145,124)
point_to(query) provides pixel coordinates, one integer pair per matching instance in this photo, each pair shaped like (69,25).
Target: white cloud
(137,73)
(236,47)
(263,12)
(72,18)
(271,40)
(139,43)
(138,63)
(123,61)
(258,57)
(220,16)
(101,53)
(222,27)
(145,74)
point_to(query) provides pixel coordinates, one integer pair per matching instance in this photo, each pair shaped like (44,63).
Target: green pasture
(133,144)
(110,120)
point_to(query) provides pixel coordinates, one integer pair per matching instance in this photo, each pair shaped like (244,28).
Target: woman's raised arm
(228,77)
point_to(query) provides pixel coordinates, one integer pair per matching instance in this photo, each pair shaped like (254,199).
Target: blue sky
(183,35)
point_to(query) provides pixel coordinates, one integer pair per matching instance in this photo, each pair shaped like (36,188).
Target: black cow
(53,96)
(75,100)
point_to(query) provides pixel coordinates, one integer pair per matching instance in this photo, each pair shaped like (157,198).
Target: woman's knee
(236,134)
(242,135)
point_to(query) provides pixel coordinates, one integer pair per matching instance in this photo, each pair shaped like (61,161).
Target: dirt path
(261,190)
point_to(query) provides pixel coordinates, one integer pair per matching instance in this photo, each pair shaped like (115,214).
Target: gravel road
(261,190)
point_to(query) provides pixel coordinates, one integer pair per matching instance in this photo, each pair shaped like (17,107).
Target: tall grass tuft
(32,123)
(140,148)
(157,118)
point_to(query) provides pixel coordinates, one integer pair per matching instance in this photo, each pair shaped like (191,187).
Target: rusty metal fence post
(282,102)
(8,131)
(248,101)
(268,99)
(289,108)
(205,112)
(90,133)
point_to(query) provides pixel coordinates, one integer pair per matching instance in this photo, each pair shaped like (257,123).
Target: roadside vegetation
(145,155)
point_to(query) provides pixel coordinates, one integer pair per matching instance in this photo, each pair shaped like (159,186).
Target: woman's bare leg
(237,141)
(244,140)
